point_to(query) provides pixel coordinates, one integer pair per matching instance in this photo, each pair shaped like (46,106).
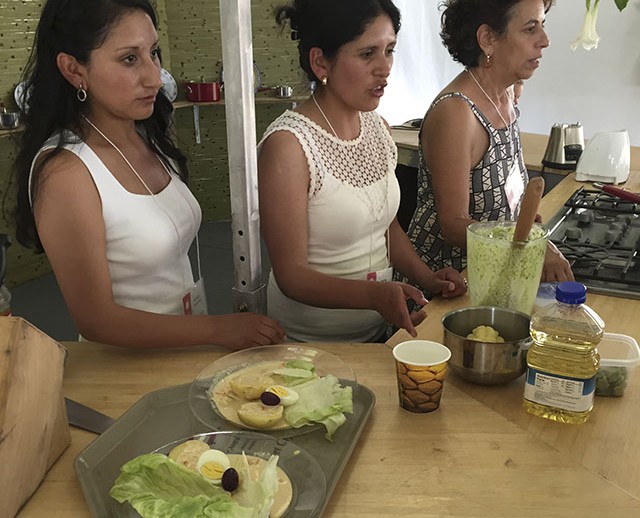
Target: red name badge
(186,304)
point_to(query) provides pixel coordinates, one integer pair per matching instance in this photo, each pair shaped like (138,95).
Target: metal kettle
(565,145)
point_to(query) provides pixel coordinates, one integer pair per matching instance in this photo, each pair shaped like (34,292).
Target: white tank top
(147,237)
(353,198)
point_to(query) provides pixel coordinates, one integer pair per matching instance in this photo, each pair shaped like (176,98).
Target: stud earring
(487,62)
(81,94)
(324,80)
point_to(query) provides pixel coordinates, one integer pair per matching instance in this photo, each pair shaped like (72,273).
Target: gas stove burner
(602,202)
(600,236)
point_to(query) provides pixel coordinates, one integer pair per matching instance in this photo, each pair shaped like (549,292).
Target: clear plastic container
(619,355)
(563,360)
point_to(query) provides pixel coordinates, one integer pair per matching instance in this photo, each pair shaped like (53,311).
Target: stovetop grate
(600,235)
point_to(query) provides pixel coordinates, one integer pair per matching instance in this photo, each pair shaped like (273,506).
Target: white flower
(588,36)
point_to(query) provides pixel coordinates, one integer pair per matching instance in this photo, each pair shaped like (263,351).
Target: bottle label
(573,394)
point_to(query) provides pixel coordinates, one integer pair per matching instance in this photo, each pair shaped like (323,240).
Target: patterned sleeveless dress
(487,197)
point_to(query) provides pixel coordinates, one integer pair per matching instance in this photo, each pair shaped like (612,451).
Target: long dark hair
(75,27)
(460,21)
(329,24)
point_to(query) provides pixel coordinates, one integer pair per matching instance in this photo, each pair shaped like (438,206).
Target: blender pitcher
(501,274)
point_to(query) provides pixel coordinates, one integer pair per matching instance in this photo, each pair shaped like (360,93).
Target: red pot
(202,92)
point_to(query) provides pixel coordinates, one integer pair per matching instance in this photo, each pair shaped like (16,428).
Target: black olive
(269,399)
(230,480)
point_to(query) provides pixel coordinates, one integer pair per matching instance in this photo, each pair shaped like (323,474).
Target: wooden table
(533,148)
(471,458)
(480,455)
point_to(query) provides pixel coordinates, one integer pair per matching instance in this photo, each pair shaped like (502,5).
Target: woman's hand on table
(556,267)
(391,302)
(447,283)
(243,330)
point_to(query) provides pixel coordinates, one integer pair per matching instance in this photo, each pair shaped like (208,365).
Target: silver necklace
(313,95)
(489,98)
(121,154)
(153,196)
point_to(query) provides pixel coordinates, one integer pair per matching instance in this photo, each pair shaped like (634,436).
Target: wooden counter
(609,443)
(468,459)
(533,148)
(480,455)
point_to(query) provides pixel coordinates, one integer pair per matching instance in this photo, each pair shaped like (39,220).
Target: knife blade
(87,418)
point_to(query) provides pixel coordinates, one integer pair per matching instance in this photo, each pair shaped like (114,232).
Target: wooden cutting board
(33,422)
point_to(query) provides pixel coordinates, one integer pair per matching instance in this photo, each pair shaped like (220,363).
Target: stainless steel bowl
(484,362)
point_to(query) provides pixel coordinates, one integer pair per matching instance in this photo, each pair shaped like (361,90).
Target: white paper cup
(421,368)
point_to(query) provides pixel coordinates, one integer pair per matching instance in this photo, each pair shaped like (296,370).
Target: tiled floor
(41,303)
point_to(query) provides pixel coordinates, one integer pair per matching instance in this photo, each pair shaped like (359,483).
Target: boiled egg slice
(287,396)
(212,464)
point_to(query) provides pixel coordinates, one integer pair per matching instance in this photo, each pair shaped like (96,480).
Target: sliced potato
(250,386)
(257,415)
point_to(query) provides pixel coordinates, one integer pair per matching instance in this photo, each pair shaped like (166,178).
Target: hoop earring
(81,94)
(487,62)
(324,81)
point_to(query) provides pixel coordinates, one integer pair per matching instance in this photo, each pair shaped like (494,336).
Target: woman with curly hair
(471,164)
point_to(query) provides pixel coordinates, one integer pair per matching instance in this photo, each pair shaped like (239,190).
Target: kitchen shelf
(294,100)
(8,132)
(259,99)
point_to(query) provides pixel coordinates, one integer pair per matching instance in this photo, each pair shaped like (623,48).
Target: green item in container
(611,381)
(501,274)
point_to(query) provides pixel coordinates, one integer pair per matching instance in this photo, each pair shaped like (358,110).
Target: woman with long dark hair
(101,186)
(328,191)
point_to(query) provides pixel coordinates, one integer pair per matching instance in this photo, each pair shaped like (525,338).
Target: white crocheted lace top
(353,197)
(362,164)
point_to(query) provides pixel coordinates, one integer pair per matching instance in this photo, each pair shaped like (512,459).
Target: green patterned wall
(191,41)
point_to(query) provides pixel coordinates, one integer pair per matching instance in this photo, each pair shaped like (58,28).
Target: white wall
(599,88)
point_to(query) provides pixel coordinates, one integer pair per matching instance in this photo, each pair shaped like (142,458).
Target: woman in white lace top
(328,191)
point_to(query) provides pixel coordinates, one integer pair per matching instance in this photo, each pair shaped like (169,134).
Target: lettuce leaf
(293,377)
(321,400)
(158,487)
(300,364)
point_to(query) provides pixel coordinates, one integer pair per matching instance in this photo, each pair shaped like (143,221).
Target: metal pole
(248,294)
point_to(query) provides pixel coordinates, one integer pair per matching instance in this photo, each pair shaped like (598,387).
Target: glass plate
(307,478)
(208,413)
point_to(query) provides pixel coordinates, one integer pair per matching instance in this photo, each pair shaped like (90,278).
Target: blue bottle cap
(571,292)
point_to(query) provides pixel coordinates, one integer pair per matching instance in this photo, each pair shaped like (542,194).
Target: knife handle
(621,193)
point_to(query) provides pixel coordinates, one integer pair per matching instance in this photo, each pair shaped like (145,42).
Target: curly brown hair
(460,21)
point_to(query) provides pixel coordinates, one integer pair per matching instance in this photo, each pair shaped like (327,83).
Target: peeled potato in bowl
(488,344)
(485,334)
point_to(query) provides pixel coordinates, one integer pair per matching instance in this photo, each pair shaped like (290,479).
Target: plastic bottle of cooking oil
(563,360)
